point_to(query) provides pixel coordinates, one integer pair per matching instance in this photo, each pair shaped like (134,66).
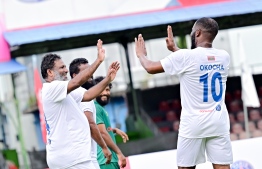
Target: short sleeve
(174,63)
(78,94)
(99,115)
(57,90)
(87,106)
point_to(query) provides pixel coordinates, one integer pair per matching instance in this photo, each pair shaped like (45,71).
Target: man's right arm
(83,76)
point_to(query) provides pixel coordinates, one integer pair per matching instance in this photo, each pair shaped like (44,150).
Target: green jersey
(102,118)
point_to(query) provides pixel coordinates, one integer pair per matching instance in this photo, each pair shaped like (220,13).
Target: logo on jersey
(211,58)
(218,108)
(241,165)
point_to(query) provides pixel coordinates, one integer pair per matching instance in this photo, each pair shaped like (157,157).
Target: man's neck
(205,44)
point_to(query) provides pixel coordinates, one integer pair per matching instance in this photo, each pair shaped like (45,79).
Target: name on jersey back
(211,67)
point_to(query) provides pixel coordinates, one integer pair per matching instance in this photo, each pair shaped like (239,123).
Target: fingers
(99,44)
(108,158)
(169,32)
(126,136)
(115,65)
(123,164)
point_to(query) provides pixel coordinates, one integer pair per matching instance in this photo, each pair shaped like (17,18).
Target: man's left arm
(122,134)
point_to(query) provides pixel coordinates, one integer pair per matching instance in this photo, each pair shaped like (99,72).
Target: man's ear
(198,33)
(50,72)
(74,75)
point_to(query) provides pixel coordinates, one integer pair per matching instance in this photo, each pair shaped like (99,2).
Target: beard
(60,77)
(87,85)
(193,41)
(103,102)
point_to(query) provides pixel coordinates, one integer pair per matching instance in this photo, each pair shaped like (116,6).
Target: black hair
(48,62)
(209,25)
(99,79)
(74,65)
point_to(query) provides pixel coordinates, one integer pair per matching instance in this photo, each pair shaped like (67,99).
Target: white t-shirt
(90,106)
(203,74)
(68,131)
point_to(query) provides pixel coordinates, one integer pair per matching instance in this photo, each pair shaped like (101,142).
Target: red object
(199,2)
(165,129)
(38,87)
(4,47)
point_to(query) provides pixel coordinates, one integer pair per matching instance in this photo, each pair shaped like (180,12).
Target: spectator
(256,133)
(176,126)
(176,105)
(237,95)
(232,118)
(234,107)
(237,128)
(242,135)
(251,126)
(233,136)
(254,115)
(259,125)
(241,117)
(171,116)
(163,106)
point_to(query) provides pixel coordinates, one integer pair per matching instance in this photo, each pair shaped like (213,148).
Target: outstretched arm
(94,91)
(83,76)
(151,67)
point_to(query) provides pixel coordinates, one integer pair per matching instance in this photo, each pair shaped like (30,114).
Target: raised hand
(100,50)
(112,71)
(170,43)
(140,46)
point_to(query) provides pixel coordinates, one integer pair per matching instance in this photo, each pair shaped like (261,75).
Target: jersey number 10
(204,79)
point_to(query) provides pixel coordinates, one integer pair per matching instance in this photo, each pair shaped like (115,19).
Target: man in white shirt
(203,71)
(68,133)
(75,67)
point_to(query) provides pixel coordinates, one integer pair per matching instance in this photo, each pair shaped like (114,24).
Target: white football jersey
(90,106)
(68,131)
(203,74)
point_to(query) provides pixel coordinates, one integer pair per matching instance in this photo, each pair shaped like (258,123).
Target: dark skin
(202,39)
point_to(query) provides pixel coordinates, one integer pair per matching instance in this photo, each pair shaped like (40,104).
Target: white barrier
(246,154)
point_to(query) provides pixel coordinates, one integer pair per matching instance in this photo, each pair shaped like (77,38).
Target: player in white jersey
(203,71)
(68,134)
(75,67)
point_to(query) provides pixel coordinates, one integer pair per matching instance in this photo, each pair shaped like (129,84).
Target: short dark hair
(209,25)
(99,79)
(74,65)
(48,62)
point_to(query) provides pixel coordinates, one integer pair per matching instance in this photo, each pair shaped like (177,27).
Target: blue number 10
(204,79)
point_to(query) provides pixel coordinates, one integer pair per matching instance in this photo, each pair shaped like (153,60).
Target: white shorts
(191,151)
(83,165)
